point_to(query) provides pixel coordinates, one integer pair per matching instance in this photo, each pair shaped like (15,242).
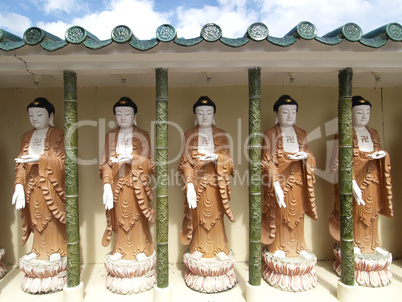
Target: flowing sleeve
(141,169)
(21,169)
(187,171)
(224,169)
(21,172)
(309,176)
(105,169)
(106,174)
(185,166)
(269,176)
(385,172)
(52,175)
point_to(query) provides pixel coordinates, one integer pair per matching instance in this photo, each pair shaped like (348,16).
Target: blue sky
(234,16)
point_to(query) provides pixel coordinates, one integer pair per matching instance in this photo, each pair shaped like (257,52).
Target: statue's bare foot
(221,256)
(280,254)
(196,255)
(357,250)
(116,257)
(141,257)
(381,251)
(29,257)
(305,255)
(55,257)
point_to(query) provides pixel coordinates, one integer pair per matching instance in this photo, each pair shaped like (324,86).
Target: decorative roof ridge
(210,32)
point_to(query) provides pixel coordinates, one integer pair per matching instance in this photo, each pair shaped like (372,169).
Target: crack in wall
(32,73)
(25,63)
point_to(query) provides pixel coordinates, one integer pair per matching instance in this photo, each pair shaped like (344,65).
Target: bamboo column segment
(254,77)
(162,214)
(71,172)
(346,176)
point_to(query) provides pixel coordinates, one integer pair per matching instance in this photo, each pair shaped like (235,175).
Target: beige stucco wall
(317,111)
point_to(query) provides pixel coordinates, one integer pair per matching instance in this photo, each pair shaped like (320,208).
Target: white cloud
(138,15)
(14,23)
(51,6)
(282,15)
(58,28)
(233,17)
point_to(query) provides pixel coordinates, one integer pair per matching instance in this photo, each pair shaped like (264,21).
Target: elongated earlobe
(51,123)
(135,120)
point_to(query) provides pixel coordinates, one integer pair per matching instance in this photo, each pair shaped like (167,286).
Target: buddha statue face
(39,117)
(360,115)
(204,116)
(125,117)
(287,115)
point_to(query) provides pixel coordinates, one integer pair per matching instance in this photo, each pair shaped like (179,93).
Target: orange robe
(374,179)
(131,210)
(203,227)
(283,228)
(44,213)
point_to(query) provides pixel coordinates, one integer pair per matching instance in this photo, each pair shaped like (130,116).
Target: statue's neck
(205,129)
(287,128)
(42,130)
(126,130)
(359,128)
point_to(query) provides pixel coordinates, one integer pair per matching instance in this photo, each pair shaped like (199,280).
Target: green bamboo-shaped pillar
(71,168)
(254,77)
(162,214)
(346,176)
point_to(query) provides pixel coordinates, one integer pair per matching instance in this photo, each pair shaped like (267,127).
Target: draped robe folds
(283,228)
(374,179)
(203,227)
(44,213)
(131,210)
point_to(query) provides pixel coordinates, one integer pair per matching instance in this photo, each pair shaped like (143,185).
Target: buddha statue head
(125,111)
(41,113)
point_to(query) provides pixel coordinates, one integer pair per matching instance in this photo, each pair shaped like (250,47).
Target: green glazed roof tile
(188,42)
(258,31)
(96,44)
(235,42)
(394,31)
(7,36)
(77,35)
(166,33)
(211,32)
(373,42)
(284,42)
(144,45)
(53,45)
(379,36)
(122,34)
(329,41)
(305,30)
(11,45)
(35,35)
(391,31)
(9,41)
(350,31)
